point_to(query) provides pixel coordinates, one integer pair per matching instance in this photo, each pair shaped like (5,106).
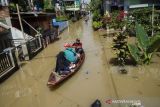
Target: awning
(72,9)
(138,5)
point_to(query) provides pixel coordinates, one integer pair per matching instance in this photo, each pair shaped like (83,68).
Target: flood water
(96,79)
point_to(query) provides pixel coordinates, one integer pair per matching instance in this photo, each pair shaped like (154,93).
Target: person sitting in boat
(70,53)
(62,64)
(78,46)
(71,56)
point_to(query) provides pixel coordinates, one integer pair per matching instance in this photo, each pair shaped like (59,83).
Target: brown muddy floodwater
(97,78)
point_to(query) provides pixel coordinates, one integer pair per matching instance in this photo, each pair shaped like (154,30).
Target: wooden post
(24,45)
(31,27)
(20,22)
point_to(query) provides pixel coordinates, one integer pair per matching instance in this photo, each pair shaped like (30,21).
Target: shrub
(139,16)
(117,21)
(97,25)
(61,18)
(96,15)
(12,7)
(142,52)
(48,6)
(120,46)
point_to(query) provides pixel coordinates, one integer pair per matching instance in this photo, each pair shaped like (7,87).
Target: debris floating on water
(96,103)
(135,77)
(123,71)
(87,72)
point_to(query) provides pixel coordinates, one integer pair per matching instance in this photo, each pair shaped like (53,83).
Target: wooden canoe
(55,79)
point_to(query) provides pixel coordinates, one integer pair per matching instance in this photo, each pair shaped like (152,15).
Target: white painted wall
(4,2)
(16,34)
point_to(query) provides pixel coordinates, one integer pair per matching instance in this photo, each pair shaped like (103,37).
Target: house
(109,5)
(72,8)
(5,34)
(20,35)
(8,61)
(35,22)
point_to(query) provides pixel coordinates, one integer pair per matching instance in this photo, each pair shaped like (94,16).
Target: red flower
(121,15)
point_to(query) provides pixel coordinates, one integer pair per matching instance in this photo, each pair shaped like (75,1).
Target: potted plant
(97,25)
(48,6)
(12,7)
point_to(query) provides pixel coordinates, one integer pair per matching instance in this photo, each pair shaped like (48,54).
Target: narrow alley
(96,79)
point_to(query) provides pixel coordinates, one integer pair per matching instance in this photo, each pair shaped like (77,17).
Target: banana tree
(145,47)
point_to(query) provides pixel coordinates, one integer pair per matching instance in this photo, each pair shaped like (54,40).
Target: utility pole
(74,7)
(152,19)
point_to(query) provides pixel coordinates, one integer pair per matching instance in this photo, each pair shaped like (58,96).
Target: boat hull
(55,79)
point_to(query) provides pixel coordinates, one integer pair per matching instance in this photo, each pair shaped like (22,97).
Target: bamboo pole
(20,21)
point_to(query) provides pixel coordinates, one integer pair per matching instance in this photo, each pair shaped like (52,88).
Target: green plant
(156,25)
(97,25)
(117,20)
(96,15)
(120,46)
(139,16)
(142,52)
(95,4)
(48,5)
(106,20)
(61,18)
(12,7)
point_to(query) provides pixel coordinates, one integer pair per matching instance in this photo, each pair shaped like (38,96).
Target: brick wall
(4,12)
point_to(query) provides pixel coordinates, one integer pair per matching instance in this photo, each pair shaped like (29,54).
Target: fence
(34,46)
(28,49)
(8,61)
(5,44)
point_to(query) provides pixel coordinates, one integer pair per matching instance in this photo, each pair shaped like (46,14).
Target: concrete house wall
(5,34)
